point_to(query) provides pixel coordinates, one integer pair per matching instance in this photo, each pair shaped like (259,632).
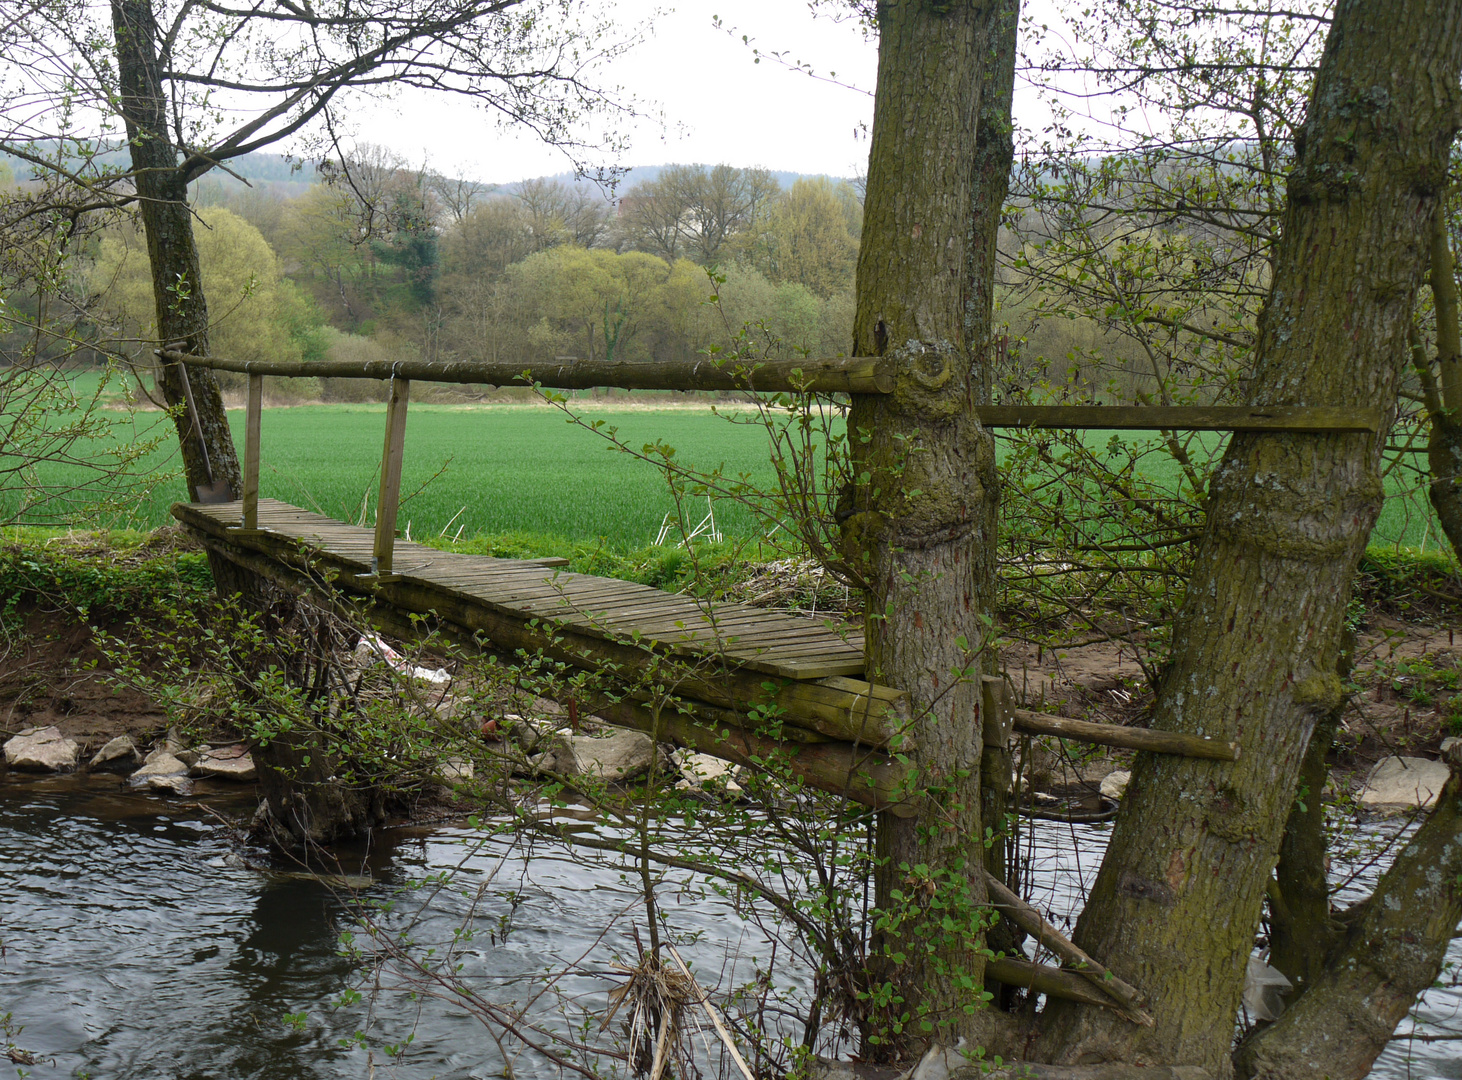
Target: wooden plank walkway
(770,642)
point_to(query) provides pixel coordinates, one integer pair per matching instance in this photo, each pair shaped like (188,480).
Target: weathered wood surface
(1004,900)
(720,654)
(834,374)
(770,642)
(388,500)
(251,451)
(1048,980)
(1158,742)
(1182,417)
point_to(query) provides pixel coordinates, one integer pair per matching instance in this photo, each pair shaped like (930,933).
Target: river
(135,943)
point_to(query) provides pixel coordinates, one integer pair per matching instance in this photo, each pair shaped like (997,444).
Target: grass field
(523,471)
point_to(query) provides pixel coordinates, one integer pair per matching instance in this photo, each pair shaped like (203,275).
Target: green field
(508,469)
(523,470)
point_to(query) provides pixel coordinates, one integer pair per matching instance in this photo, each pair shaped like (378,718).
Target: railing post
(390,497)
(251,452)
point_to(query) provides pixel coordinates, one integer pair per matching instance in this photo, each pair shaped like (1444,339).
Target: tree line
(378,259)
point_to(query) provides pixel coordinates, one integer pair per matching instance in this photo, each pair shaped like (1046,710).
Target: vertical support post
(998,799)
(995,767)
(251,452)
(390,497)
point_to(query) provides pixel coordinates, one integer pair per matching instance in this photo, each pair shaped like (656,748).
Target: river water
(135,943)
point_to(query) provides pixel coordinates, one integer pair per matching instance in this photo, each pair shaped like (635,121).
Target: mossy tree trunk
(1393,951)
(1442,390)
(1176,904)
(921,519)
(172,252)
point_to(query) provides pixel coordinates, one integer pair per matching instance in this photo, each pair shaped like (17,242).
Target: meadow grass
(523,473)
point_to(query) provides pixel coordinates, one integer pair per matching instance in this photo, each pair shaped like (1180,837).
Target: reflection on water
(136,945)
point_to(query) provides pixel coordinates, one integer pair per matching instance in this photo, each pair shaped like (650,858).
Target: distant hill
(289,178)
(636,174)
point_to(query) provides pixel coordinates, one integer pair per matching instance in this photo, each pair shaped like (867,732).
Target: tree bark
(1302,931)
(1444,390)
(1393,952)
(167,223)
(1176,903)
(920,521)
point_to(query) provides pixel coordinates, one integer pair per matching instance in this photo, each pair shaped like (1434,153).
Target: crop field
(524,471)
(510,469)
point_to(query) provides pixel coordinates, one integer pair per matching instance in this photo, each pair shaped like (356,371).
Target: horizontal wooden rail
(836,374)
(1183,417)
(1158,742)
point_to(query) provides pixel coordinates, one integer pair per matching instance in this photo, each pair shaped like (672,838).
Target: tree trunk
(177,286)
(994,153)
(1302,930)
(921,520)
(1393,952)
(1176,903)
(1444,390)
(307,806)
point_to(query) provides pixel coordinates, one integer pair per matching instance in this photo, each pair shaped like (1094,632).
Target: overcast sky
(720,105)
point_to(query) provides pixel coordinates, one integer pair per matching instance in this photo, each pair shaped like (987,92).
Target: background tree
(251,302)
(558,213)
(161,69)
(814,236)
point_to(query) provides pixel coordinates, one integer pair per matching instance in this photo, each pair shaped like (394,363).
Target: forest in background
(372,258)
(375,259)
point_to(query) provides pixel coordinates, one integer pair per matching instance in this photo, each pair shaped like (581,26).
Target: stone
(121,754)
(157,763)
(1403,783)
(706,770)
(455,770)
(1448,743)
(176,784)
(623,755)
(227,763)
(1114,784)
(42,750)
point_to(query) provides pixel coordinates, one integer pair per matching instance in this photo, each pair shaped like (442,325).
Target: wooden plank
(648,607)
(252,420)
(832,374)
(778,636)
(1311,418)
(793,651)
(388,502)
(819,669)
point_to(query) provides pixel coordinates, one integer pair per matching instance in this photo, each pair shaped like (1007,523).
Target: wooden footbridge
(729,667)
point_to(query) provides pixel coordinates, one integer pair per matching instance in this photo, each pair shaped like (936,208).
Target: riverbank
(74,598)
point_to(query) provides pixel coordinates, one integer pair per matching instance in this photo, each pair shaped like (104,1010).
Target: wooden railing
(836,375)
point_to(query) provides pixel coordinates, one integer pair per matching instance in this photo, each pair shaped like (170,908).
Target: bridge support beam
(389,500)
(251,451)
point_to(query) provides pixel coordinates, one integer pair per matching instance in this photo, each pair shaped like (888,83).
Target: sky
(719,104)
